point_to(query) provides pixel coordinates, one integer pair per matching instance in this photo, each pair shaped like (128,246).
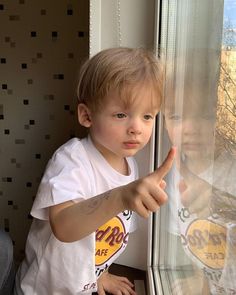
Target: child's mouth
(131,144)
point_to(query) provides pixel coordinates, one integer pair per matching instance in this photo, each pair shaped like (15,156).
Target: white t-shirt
(76,171)
(209,242)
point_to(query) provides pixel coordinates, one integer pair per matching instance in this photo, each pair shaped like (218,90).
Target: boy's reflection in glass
(204,188)
(191,127)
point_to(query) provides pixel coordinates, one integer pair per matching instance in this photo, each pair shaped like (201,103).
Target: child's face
(119,131)
(191,129)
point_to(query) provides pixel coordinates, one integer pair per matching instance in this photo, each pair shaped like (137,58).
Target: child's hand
(195,192)
(114,285)
(147,194)
(194,285)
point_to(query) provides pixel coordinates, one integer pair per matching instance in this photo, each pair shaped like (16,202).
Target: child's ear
(84,115)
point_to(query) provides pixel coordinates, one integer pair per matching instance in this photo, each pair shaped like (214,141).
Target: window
(194,235)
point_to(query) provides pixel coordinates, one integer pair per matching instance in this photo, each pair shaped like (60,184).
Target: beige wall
(42,44)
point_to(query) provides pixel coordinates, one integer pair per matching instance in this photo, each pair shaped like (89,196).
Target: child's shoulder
(71,153)
(73,146)
(225,162)
(224,172)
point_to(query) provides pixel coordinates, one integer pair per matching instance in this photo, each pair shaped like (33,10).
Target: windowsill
(136,276)
(183,278)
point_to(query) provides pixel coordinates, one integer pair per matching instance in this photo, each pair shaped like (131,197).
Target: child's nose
(191,126)
(134,128)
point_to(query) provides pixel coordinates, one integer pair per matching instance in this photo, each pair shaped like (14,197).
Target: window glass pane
(197,228)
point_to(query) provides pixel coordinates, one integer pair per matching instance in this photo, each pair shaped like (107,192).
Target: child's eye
(174,117)
(148,117)
(120,115)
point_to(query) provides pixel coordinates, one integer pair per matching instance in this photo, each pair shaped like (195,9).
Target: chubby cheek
(175,134)
(106,132)
(148,134)
(208,131)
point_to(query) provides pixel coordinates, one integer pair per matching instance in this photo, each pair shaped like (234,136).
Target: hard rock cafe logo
(206,240)
(109,240)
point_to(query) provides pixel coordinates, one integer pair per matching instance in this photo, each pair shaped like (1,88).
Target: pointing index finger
(184,171)
(167,164)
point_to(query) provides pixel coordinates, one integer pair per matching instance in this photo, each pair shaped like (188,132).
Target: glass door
(194,235)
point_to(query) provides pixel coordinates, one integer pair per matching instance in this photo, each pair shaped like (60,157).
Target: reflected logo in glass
(206,240)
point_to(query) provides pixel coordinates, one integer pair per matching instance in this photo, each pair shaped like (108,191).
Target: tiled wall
(42,44)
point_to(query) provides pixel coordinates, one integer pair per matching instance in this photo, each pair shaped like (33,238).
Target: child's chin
(130,152)
(195,154)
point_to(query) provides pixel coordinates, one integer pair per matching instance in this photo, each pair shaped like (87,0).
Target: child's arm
(73,221)
(202,198)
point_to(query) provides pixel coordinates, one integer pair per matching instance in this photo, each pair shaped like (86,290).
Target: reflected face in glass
(191,129)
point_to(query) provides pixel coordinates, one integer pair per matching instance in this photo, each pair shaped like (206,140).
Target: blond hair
(118,69)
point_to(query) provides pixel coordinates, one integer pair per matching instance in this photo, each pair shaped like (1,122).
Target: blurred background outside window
(195,233)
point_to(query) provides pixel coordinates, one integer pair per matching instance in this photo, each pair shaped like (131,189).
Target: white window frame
(136,23)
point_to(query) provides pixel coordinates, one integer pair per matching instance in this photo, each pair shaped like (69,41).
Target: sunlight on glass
(200,120)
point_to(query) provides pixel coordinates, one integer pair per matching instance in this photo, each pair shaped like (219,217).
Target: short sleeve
(67,177)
